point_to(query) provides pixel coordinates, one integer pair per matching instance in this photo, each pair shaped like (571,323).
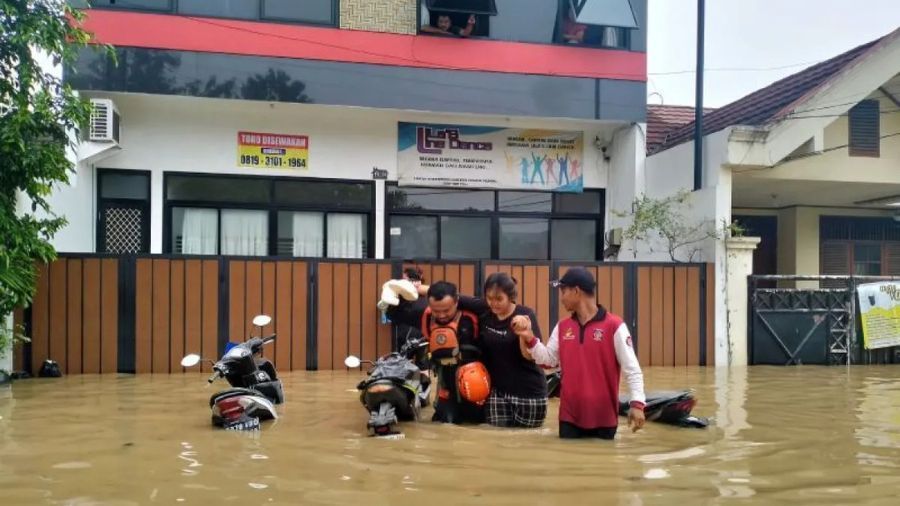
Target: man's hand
(636,419)
(521,324)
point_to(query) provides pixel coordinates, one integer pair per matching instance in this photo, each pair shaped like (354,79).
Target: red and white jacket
(591,358)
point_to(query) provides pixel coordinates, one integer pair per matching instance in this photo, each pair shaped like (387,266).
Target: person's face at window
(444,23)
(444,310)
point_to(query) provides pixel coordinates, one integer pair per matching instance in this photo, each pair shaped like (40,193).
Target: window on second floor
(864,129)
(322,12)
(594,23)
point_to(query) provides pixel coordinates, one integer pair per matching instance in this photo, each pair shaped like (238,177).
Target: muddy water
(780,436)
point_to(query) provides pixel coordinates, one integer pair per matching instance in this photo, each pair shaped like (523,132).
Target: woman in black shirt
(518,385)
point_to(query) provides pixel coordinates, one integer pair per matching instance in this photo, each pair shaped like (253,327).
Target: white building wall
(187,134)
(673,170)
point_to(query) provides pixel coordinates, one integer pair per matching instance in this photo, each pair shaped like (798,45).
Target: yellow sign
(879,310)
(273,151)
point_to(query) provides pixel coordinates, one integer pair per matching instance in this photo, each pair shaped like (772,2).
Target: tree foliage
(40,120)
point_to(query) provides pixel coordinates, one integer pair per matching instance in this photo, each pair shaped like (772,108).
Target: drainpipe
(698,102)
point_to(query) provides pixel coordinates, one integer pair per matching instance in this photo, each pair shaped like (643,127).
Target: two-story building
(357,128)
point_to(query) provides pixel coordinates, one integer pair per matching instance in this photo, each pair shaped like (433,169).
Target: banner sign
(879,309)
(490,157)
(273,151)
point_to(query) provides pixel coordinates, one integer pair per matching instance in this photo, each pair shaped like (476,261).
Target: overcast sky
(753,34)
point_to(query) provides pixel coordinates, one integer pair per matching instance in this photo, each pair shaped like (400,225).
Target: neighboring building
(341,94)
(662,119)
(809,164)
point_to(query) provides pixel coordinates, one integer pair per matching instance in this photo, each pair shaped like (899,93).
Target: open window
(603,23)
(452,17)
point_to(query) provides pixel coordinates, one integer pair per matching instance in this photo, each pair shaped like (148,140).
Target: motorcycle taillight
(231,408)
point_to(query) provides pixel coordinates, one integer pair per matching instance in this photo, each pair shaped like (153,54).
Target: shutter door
(835,261)
(891,265)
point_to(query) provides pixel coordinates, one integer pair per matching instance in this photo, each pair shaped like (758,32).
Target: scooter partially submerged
(396,389)
(672,408)
(256,388)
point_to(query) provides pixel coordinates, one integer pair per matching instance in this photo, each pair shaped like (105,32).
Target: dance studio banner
(489,157)
(879,310)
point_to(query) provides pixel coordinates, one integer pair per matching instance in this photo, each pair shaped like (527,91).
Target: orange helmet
(473,382)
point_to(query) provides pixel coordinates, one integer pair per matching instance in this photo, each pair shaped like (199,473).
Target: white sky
(753,34)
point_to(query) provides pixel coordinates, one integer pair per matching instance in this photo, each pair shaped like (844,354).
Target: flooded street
(779,436)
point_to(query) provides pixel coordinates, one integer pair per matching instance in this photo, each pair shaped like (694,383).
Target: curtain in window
(198,232)
(307,235)
(245,232)
(346,236)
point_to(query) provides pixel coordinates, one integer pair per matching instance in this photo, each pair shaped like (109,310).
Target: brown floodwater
(803,435)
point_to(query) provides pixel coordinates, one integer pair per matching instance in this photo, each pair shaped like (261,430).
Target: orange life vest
(443,339)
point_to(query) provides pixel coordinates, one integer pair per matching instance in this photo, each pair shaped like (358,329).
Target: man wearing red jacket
(592,348)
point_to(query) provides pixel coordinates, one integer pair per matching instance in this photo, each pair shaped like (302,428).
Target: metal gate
(814,325)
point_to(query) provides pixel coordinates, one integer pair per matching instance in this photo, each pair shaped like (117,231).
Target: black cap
(577,277)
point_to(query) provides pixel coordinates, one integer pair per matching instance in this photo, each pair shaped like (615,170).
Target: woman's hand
(521,324)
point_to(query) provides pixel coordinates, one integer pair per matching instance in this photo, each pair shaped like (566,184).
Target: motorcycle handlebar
(268,339)
(213,377)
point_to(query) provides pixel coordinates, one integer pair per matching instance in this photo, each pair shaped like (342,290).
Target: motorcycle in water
(396,389)
(672,408)
(256,388)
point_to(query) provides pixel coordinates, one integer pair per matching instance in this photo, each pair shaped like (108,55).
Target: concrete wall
(182,134)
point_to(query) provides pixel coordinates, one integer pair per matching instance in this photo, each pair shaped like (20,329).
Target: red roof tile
(769,103)
(662,119)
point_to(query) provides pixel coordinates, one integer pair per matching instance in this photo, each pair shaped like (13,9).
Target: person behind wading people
(518,386)
(405,332)
(592,348)
(453,343)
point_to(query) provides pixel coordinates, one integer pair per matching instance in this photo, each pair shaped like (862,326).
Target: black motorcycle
(256,388)
(396,389)
(672,408)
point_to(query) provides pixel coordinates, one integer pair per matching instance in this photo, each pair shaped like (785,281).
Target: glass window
(465,238)
(346,235)
(312,11)
(218,189)
(245,232)
(414,236)
(587,203)
(301,234)
(525,202)
(152,5)
(324,194)
(117,185)
(439,199)
(195,231)
(574,240)
(867,259)
(241,9)
(524,238)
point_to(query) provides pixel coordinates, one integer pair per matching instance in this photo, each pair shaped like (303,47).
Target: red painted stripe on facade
(183,33)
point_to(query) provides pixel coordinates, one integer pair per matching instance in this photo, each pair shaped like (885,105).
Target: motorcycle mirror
(262,320)
(352,361)
(190,360)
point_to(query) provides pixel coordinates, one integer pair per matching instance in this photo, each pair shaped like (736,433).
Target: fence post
(312,308)
(126,345)
(224,316)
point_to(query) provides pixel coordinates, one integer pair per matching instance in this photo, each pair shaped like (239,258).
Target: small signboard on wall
(273,151)
(879,309)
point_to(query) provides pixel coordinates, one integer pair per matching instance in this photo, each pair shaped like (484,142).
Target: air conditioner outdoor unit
(104,125)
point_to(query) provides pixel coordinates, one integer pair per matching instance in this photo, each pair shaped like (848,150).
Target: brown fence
(279,289)
(142,314)
(175,312)
(74,316)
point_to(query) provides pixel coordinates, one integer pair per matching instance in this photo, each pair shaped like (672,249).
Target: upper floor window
(596,23)
(864,128)
(323,12)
